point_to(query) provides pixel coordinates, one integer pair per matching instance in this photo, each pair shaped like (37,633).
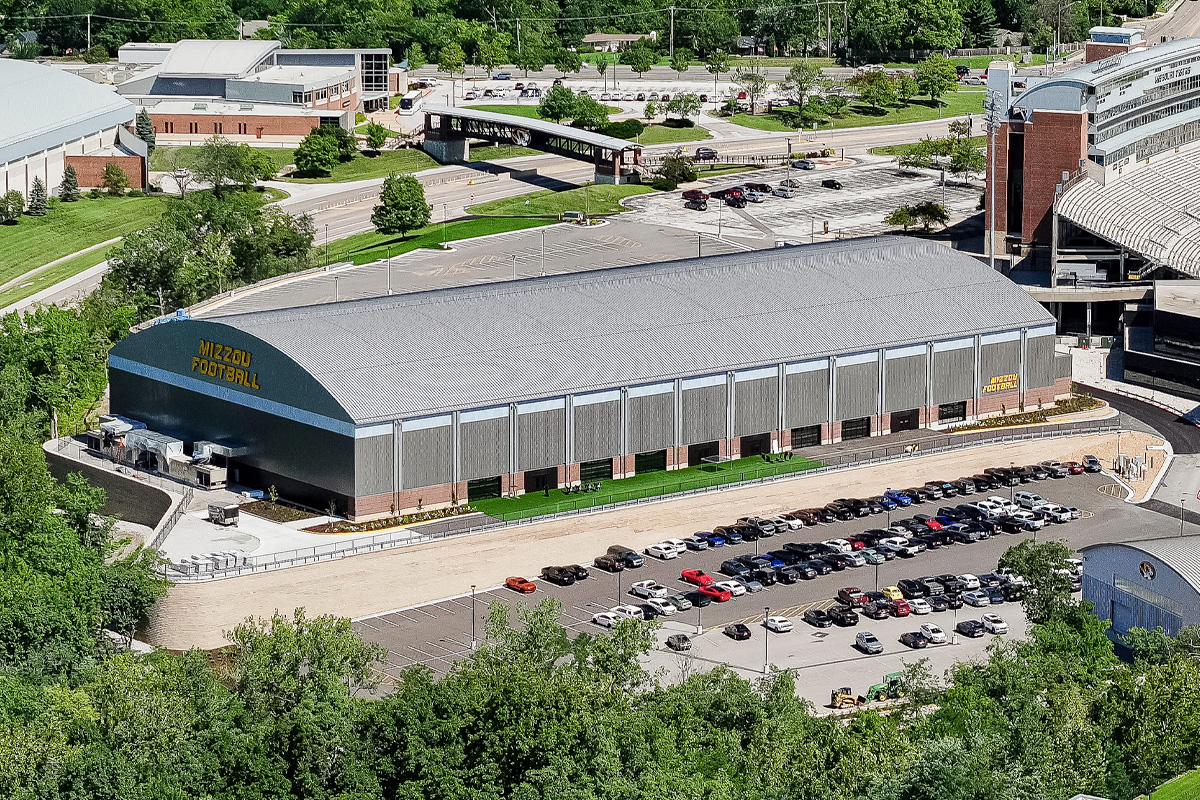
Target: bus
(411,102)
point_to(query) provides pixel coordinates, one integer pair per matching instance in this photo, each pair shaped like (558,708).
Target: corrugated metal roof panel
(431,352)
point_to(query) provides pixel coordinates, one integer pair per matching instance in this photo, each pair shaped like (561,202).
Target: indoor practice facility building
(481,391)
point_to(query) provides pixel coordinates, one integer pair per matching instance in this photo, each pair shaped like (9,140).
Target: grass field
(530,110)
(280,156)
(1185,787)
(649,484)
(53,275)
(362,130)
(597,199)
(725,169)
(859,114)
(363,248)
(69,228)
(382,165)
(661,134)
(501,151)
(974,62)
(903,149)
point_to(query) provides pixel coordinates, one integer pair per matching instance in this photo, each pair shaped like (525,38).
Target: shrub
(135,193)
(625,129)
(359,118)
(662,184)
(675,122)
(95,194)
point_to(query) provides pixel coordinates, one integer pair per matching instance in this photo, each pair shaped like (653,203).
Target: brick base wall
(227,124)
(1098,51)
(90,169)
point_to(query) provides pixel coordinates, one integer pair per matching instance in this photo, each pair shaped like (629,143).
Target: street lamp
(1181,516)
(1012,487)
(995,110)
(474,642)
(766,638)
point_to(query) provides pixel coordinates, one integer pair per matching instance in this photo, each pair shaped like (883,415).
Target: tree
(221,163)
(650,111)
(1044,566)
(145,130)
(902,216)
(96,54)
(492,54)
(979,23)
(415,56)
(966,158)
(68,190)
(639,58)
(684,105)
(678,167)
(836,104)
(567,61)
(402,206)
(875,89)
(451,60)
(681,61)
(936,75)
(919,155)
(531,56)
(589,114)
(12,203)
(800,81)
(347,145)
(906,87)
(933,24)
(377,135)
(316,155)
(753,81)
(114,179)
(37,199)
(716,64)
(930,213)
(258,163)
(557,104)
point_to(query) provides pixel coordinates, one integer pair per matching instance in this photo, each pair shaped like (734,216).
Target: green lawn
(974,62)
(69,228)
(662,134)
(53,275)
(362,131)
(712,171)
(380,166)
(650,484)
(1185,787)
(280,156)
(364,248)
(903,149)
(501,151)
(859,114)
(530,110)
(597,199)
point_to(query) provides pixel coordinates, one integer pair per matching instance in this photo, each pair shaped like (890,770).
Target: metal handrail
(411,536)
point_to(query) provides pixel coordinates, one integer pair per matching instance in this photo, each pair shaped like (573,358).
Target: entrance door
(539,480)
(483,488)
(906,420)
(809,436)
(756,445)
(698,452)
(596,470)
(654,461)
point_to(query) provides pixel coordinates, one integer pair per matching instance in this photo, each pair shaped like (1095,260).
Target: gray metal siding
(541,439)
(1039,362)
(953,376)
(1062,365)
(1001,358)
(373,468)
(426,457)
(651,422)
(807,398)
(704,414)
(597,431)
(857,390)
(904,387)
(756,406)
(483,449)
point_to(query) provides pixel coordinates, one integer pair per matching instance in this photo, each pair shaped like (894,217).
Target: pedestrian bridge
(448,129)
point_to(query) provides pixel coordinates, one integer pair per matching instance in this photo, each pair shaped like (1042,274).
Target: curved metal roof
(432,352)
(46,106)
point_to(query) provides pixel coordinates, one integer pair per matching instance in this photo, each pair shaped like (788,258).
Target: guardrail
(772,158)
(833,463)
(180,509)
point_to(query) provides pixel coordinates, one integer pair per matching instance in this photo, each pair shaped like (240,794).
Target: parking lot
(438,634)
(871,189)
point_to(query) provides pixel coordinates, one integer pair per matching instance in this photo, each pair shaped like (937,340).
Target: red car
(931,523)
(696,576)
(899,608)
(521,585)
(695,194)
(716,593)
(1073,467)
(852,596)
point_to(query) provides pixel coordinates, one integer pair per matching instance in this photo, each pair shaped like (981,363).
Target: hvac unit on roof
(200,106)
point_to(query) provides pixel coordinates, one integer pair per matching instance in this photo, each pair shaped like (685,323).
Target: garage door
(906,420)
(856,428)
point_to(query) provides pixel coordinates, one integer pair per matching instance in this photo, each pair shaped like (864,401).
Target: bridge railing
(771,158)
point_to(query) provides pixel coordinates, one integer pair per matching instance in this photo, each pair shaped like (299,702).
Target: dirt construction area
(195,615)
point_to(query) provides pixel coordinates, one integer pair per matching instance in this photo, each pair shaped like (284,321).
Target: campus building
(1147,584)
(519,386)
(1097,165)
(252,88)
(53,119)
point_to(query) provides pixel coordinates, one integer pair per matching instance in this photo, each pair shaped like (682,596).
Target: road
(1180,24)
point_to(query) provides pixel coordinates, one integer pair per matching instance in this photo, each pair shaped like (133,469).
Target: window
(308,97)
(322,94)
(856,428)
(193,127)
(952,412)
(242,127)
(168,127)
(217,127)
(297,97)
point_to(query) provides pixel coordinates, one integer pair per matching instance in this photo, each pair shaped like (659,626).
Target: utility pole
(518,36)
(89,26)
(671,51)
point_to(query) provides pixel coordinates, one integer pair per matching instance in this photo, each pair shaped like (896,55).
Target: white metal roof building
(50,114)
(522,384)
(1145,584)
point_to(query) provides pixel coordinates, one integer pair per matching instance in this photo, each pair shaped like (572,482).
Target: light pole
(766,638)
(389,252)
(994,111)
(543,252)
(444,237)
(473,639)
(1011,486)
(327,247)
(877,576)
(1181,516)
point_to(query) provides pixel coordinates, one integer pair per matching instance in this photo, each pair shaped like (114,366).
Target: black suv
(912,589)
(705,154)
(631,557)
(558,575)
(842,616)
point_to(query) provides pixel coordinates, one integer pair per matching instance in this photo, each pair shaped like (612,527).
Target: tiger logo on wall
(1147,570)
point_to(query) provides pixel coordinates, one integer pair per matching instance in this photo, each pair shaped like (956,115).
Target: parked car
(502,76)
(830,183)
(702,597)
(1092,464)
(735,201)
(627,612)
(899,608)
(779,624)
(1055,468)
(817,618)
(972,628)
(609,563)
(804,163)
(705,154)
(733,587)
(843,616)
(695,194)
(697,541)
(939,603)
(679,642)
(680,601)
(519,584)
(661,606)
(919,606)
(868,643)
(933,633)
(875,610)
(914,639)
(750,584)
(662,551)
(648,588)
(737,631)
(911,588)
(785,191)
(631,558)
(852,596)
(558,575)
(977,599)
(605,619)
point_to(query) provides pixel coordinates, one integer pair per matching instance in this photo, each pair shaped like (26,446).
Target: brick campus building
(518,386)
